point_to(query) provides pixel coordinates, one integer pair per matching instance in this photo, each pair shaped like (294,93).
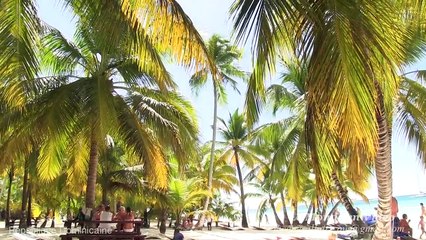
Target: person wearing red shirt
(404,224)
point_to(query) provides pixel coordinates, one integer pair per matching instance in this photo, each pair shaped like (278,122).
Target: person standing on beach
(422,226)
(423,209)
(336,215)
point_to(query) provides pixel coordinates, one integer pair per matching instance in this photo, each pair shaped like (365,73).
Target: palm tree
(268,201)
(164,23)
(351,75)
(291,95)
(223,55)
(223,175)
(184,194)
(115,174)
(236,149)
(82,110)
(20,30)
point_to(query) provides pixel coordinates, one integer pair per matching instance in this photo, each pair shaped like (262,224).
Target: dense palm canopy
(149,22)
(99,92)
(351,58)
(61,100)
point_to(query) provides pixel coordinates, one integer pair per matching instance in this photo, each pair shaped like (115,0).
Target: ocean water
(409,204)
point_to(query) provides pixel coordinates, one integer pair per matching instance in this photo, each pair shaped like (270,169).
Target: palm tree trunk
(286,218)
(104,196)
(332,211)
(312,223)
(323,212)
(9,193)
(23,219)
(344,199)
(295,217)
(305,221)
(52,225)
(274,210)
(29,211)
(69,215)
(383,165)
(163,219)
(244,222)
(92,174)
(212,150)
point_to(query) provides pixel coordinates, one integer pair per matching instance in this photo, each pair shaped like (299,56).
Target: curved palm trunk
(92,174)
(305,220)
(344,199)
(286,218)
(23,218)
(332,211)
(244,222)
(383,165)
(9,192)
(295,217)
(210,180)
(274,210)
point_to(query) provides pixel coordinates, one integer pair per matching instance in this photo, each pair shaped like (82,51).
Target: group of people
(103,213)
(404,223)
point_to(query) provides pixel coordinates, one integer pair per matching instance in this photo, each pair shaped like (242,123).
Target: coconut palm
(20,30)
(223,175)
(114,173)
(223,55)
(236,150)
(79,113)
(184,194)
(290,95)
(268,201)
(351,76)
(164,23)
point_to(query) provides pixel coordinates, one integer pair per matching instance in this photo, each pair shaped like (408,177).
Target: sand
(215,234)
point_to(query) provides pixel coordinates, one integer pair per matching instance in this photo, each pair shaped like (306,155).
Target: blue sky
(210,17)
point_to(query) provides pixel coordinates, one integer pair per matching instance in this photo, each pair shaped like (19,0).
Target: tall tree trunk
(332,211)
(23,219)
(212,150)
(295,217)
(29,211)
(313,215)
(305,221)
(244,222)
(104,196)
(52,225)
(274,210)
(145,217)
(323,212)
(383,165)
(344,199)
(9,193)
(286,218)
(163,219)
(92,174)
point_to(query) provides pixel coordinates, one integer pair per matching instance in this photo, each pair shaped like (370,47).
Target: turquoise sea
(409,204)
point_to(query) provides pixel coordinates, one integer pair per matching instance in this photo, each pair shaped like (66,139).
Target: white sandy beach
(215,234)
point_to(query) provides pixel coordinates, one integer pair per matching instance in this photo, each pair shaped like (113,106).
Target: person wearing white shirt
(106,216)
